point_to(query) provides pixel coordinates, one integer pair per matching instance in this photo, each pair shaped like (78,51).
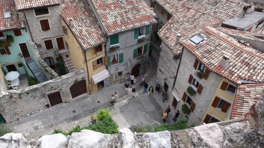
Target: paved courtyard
(127,111)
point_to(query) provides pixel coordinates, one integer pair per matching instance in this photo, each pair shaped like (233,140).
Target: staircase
(68,62)
(37,72)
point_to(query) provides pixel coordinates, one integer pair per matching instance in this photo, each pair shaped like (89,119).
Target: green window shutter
(109,61)
(114,39)
(136,33)
(121,57)
(145,49)
(147,30)
(135,53)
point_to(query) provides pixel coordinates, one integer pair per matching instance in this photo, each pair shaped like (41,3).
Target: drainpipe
(177,70)
(87,70)
(28,27)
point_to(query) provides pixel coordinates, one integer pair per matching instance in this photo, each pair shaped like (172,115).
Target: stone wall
(203,100)
(50,73)
(22,103)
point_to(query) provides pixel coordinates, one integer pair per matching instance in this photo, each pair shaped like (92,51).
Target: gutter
(85,58)
(28,27)
(174,83)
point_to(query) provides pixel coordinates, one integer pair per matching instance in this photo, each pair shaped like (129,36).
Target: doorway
(100,85)
(78,88)
(11,68)
(135,70)
(50,62)
(55,98)
(174,103)
(166,86)
(24,50)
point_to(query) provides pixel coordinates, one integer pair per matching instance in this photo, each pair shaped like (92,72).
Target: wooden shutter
(7,50)
(216,101)
(94,65)
(135,53)
(200,88)
(105,60)
(162,11)
(207,118)
(195,63)
(225,107)
(192,106)
(48,44)
(206,73)
(168,17)
(121,57)
(224,85)
(147,30)
(184,97)
(145,49)
(114,39)
(45,25)
(190,79)
(17,32)
(60,43)
(136,33)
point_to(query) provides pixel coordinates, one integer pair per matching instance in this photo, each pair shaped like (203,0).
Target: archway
(136,70)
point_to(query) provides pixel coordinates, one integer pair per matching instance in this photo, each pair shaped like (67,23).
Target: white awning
(100,76)
(175,95)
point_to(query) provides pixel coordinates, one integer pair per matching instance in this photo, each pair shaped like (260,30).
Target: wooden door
(78,88)
(175,102)
(54,98)
(135,70)
(24,50)
(50,62)
(60,43)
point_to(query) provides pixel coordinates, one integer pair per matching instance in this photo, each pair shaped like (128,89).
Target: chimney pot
(178,38)
(151,11)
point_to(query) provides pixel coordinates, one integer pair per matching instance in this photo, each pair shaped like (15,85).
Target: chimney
(225,60)
(151,11)
(70,22)
(244,11)
(178,39)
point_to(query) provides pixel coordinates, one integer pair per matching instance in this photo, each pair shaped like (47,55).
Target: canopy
(175,95)
(12,75)
(100,76)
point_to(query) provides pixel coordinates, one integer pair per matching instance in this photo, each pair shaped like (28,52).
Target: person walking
(134,91)
(145,87)
(113,100)
(126,87)
(142,80)
(174,119)
(164,95)
(164,116)
(151,89)
(116,96)
(168,110)
(132,77)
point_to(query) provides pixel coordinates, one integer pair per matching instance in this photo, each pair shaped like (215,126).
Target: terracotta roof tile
(15,21)
(244,63)
(28,4)
(246,96)
(83,25)
(118,16)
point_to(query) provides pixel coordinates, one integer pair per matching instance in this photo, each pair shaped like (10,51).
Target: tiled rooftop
(118,16)
(224,9)
(15,21)
(246,96)
(29,4)
(184,22)
(83,26)
(244,63)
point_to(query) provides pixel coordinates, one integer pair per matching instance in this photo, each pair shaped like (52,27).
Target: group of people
(165,115)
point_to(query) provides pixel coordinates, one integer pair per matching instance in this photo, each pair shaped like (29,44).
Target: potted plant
(191,91)
(185,109)
(141,40)
(113,48)
(2,43)
(93,119)
(9,39)
(199,74)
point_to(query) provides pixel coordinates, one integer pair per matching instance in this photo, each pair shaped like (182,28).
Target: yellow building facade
(85,59)
(221,104)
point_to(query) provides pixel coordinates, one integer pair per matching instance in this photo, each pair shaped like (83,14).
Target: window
(162,11)
(201,67)
(42,11)
(48,44)
(50,62)
(114,59)
(228,87)
(114,39)
(99,48)
(64,30)
(196,84)
(141,31)
(139,53)
(221,104)
(60,43)
(168,17)
(189,101)
(2,51)
(97,63)
(197,39)
(45,25)
(17,32)
(210,119)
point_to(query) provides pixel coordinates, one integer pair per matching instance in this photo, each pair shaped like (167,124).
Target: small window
(162,11)
(114,59)
(17,32)
(189,100)
(42,11)
(7,14)
(195,83)
(231,88)
(99,62)
(221,104)
(201,67)
(141,31)
(212,120)
(139,51)
(2,51)
(99,48)
(45,25)
(20,65)
(197,39)
(48,44)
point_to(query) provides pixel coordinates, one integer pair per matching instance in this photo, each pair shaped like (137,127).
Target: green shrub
(199,74)
(32,81)
(191,91)
(141,40)
(2,43)
(139,129)
(4,129)
(185,109)
(61,68)
(102,114)
(113,48)
(9,39)
(60,131)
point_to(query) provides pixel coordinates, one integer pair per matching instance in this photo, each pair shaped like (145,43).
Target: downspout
(174,83)
(87,69)
(28,27)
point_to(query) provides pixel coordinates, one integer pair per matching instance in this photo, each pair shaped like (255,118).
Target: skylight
(197,39)
(7,14)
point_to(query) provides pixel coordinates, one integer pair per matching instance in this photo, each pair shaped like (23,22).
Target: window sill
(229,92)
(114,45)
(141,36)
(98,66)
(220,109)
(114,64)
(41,15)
